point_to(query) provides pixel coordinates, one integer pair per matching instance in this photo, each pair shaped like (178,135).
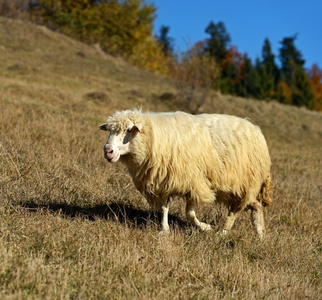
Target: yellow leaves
(149,55)
(119,26)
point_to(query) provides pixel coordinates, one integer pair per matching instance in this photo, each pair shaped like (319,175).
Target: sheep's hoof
(261,236)
(164,232)
(224,232)
(205,227)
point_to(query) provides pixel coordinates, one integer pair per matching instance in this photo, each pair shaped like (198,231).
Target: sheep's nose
(108,151)
(108,148)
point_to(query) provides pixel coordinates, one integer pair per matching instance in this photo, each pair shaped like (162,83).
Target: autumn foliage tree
(196,74)
(198,68)
(231,70)
(315,75)
(118,26)
(151,56)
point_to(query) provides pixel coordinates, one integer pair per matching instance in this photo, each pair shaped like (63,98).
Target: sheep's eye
(129,130)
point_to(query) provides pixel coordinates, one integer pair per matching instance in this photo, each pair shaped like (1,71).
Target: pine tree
(303,94)
(165,40)
(219,40)
(248,84)
(289,57)
(294,74)
(268,71)
(227,80)
(260,70)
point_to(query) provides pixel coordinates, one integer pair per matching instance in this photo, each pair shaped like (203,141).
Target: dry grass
(74,227)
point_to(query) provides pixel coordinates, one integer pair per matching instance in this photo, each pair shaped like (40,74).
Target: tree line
(126,28)
(288,83)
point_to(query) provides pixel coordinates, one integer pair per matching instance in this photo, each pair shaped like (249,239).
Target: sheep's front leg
(234,211)
(191,215)
(165,225)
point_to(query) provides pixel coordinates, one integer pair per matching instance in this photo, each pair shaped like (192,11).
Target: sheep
(202,158)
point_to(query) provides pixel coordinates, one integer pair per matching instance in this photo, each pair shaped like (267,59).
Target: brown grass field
(73,226)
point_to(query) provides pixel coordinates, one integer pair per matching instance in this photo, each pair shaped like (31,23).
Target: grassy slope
(72,226)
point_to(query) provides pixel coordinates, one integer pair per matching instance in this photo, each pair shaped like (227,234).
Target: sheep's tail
(265,194)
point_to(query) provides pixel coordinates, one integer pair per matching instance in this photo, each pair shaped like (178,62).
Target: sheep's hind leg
(257,218)
(165,224)
(191,215)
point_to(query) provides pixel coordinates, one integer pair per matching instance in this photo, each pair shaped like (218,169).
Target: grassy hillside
(74,227)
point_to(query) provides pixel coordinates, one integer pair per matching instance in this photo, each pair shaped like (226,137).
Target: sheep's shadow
(117,212)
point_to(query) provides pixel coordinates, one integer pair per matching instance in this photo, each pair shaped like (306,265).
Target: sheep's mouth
(113,159)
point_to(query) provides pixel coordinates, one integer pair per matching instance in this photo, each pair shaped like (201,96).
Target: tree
(315,76)
(294,74)
(267,71)
(268,58)
(150,56)
(289,57)
(165,40)
(248,83)
(118,26)
(231,70)
(219,40)
(196,73)
(200,69)
(283,93)
(303,94)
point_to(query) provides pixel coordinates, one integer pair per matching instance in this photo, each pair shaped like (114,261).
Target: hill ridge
(34,56)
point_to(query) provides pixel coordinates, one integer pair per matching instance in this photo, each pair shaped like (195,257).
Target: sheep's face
(118,142)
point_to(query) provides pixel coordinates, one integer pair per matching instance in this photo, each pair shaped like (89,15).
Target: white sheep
(201,158)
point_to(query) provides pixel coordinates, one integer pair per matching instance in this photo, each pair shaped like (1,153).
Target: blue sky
(248,22)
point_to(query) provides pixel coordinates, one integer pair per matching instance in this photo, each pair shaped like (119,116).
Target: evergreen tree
(289,57)
(218,42)
(227,80)
(268,71)
(302,92)
(268,58)
(294,74)
(260,70)
(248,84)
(165,40)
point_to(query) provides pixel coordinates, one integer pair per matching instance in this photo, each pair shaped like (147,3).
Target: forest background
(125,28)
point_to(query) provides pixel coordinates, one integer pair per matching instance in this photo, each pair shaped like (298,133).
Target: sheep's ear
(103,127)
(138,127)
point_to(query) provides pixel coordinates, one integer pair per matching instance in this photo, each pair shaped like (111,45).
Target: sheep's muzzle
(111,154)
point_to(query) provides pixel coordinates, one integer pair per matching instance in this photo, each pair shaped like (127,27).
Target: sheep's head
(123,128)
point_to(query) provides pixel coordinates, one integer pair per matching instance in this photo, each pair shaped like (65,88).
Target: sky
(248,22)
